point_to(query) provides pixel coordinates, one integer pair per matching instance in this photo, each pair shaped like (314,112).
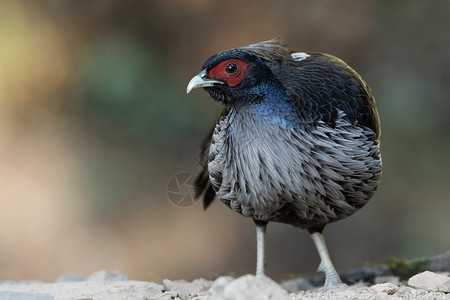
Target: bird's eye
(231,69)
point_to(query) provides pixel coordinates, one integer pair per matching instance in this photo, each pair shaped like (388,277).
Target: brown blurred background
(95,121)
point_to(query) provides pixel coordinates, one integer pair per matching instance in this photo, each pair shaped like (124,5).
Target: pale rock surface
(387,287)
(101,285)
(359,293)
(430,281)
(298,284)
(106,290)
(24,296)
(247,287)
(187,290)
(106,285)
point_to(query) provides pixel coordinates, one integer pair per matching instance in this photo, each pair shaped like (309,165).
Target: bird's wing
(202,184)
(323,85)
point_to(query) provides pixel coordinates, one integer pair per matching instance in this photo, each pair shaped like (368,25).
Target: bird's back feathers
(325,85)
(271,51)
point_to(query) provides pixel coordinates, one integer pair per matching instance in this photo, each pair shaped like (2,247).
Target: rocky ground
(114,285)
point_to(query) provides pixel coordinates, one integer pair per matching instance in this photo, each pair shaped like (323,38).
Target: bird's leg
(332,279)
(260,236)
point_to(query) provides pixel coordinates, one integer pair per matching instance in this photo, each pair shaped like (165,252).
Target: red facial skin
(226,72)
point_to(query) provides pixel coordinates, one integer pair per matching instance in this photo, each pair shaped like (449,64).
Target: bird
(297,141)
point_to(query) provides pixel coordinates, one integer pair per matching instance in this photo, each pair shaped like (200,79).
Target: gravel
(115,285)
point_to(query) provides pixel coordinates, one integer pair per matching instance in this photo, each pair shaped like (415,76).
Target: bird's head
(234,74)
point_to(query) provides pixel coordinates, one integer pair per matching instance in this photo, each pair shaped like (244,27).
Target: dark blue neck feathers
(268,101)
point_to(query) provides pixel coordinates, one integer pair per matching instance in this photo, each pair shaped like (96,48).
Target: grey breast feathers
(306,176)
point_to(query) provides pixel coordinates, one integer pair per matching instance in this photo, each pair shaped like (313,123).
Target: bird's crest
(272,50)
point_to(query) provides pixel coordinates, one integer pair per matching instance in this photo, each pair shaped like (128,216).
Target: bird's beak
(200,80)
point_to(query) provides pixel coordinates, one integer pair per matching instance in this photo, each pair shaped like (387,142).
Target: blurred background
(95,122)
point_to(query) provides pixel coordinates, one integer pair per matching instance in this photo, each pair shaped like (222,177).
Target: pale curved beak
(200,81)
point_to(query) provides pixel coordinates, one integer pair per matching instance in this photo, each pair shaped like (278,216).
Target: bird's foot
(333,282)
(339,286)
(334,287)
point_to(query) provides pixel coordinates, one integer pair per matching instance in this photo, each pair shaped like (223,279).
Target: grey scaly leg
(331,276)
(260,235)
